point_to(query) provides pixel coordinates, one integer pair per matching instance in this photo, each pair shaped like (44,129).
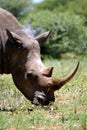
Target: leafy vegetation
(68,32)
(75,6)
(69,112)
(67,20)
(18,8)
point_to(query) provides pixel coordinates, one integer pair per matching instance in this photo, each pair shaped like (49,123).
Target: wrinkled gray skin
(20,56)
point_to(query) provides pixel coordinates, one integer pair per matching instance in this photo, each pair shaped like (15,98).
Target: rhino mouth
(41,98)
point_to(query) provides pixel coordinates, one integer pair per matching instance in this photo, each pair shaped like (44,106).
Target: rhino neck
(1,58)
(4,62)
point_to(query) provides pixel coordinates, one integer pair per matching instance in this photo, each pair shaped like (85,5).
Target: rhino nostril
(40,100)
(29,74)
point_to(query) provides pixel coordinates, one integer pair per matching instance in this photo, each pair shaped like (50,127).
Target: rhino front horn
(58,83)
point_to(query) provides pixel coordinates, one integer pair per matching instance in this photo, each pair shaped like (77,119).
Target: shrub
(68,31)
(17,8)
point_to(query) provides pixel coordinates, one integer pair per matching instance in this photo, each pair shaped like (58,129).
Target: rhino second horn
(48,72)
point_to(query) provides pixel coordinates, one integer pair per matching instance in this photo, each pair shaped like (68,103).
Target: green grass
(68,112)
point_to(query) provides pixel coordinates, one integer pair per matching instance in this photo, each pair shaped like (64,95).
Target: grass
(68,112)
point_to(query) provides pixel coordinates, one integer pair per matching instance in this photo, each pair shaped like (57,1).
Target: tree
(76,6)
(17,8)
(51,4)
(68,32)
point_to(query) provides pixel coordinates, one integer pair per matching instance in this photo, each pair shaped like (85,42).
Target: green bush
(68,31)
(75,6)
(17,8)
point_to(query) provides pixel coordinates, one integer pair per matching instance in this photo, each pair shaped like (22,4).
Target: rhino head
(29,74)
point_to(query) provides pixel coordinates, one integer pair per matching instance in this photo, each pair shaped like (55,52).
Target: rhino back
(7,20)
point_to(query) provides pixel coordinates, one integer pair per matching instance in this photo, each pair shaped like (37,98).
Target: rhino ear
(13,37)
(43,37)
(10,36)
